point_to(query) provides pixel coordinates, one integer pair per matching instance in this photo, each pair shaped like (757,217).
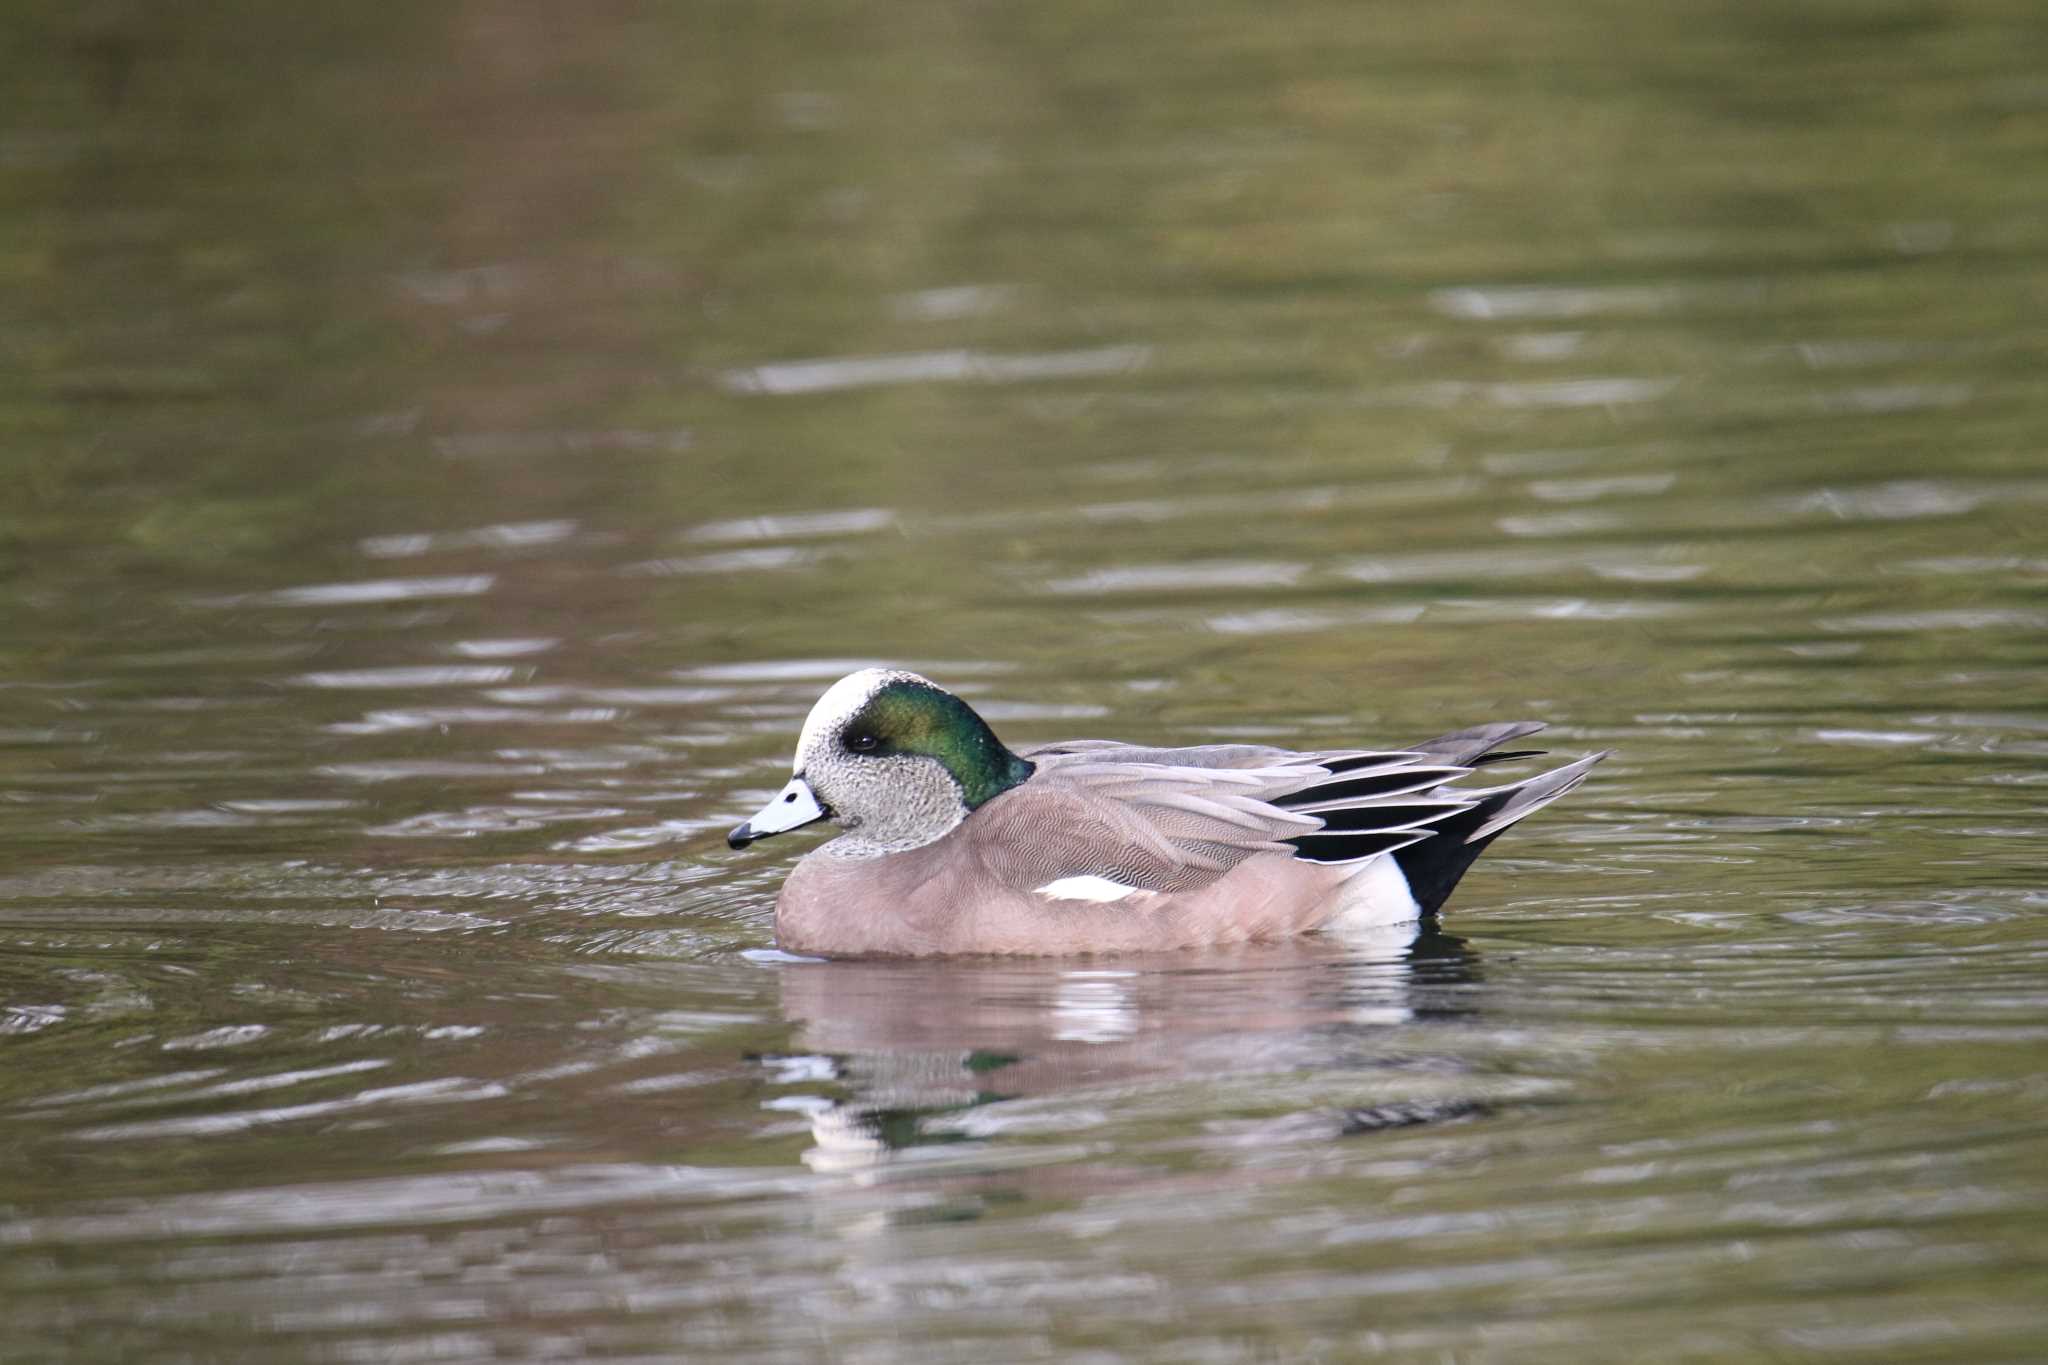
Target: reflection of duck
(953,844)
(929,1052)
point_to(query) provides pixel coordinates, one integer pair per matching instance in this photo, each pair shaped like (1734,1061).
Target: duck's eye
(863,741)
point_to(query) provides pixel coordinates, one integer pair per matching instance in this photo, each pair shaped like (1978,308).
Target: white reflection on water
(398,1200)
(360,593)
(1863,352)
(856,372)
(610,696)
(478,820)
(729,561)
(1094,1007)
(534,445)
(1901,501)
(1503,561)
(228,1035)
(1194,576)
(1886,738)
(1494,303)
(795,525)
(1591,392)
(1289,620)
(1542,346)
(1608,486)
(1888,398)
(401,770)
(508,535)
(1580,521)
(1953,618)
(433,717)
(20,1019)
(502,649)
(126,1090)
(955,301)
(1971,565)
(641,837)
(424,675)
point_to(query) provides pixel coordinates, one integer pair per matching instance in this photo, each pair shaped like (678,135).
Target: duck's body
(1062,864)
(954,844)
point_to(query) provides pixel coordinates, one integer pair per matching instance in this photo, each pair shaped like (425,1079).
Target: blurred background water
(448,447)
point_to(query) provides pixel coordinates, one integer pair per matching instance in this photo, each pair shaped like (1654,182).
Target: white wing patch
(1090,888)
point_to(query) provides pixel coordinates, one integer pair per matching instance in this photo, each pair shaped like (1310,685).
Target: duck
(952,843)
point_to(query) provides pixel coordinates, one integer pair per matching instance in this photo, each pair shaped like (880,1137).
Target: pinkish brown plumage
(953,844)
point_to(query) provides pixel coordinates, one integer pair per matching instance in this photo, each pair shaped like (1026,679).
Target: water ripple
(858,372)
(1194,576)
(364,592)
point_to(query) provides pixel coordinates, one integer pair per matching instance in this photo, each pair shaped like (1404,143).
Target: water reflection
(924,1053)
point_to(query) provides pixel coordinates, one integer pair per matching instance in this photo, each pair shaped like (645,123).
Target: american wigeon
(953,843)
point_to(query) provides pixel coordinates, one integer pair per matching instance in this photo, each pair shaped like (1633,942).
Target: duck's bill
(795,805)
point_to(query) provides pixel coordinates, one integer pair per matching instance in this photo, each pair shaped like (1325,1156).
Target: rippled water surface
(448,450)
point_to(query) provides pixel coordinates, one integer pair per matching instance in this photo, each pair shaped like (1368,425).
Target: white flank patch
(1089,888)
(1377,894)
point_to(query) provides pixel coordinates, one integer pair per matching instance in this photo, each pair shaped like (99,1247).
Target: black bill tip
(741,835)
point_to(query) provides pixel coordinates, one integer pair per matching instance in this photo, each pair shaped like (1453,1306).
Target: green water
(448,448)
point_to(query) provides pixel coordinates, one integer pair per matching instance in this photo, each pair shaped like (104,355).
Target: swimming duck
(951,842)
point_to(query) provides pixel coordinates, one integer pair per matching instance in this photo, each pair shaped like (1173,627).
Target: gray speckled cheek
(886,805)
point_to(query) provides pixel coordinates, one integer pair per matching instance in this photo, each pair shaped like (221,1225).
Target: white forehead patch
(842,702)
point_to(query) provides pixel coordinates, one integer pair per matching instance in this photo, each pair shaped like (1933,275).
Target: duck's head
(893,758)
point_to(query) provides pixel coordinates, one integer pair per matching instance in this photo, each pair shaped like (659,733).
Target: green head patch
(914,717)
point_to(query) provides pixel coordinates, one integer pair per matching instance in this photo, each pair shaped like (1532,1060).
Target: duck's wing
(1107,817)
(1470,747)
(1098,826)
(1099,830)
(1093,751)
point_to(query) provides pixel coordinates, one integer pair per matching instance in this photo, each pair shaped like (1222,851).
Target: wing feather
(1176,819)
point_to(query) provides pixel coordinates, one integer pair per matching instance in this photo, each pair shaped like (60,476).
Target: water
(449,451)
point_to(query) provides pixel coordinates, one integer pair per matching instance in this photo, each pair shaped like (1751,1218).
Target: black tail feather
(1337,847)
(1392,758)
(1399,782)
(1404,804)
(1434,865)
(1391,817)
(1504,756)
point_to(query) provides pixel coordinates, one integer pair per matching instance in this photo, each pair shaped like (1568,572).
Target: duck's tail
(1434,865)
